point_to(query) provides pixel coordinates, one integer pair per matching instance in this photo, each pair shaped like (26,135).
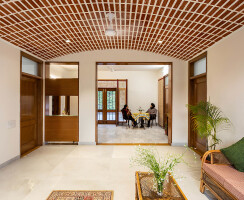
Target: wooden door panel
(28,139)
(62,128)
(166,105)
(29,110)
(200,94)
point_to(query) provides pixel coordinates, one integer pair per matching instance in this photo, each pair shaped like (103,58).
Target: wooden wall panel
(62,87)
(62,128)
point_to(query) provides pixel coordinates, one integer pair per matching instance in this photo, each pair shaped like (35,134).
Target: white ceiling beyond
(130,67)
(67,67)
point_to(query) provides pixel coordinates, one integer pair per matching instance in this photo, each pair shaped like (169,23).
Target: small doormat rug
(80,195)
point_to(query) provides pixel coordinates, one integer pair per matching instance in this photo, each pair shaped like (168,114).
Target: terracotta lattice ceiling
(185,27)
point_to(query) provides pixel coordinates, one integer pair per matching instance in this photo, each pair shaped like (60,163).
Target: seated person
(153,113)
(127,115)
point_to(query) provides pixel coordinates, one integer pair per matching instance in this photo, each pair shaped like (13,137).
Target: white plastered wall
(10,102)
(142,87)
(225,83)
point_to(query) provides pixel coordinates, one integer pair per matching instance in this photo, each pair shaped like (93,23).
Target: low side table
(146,190)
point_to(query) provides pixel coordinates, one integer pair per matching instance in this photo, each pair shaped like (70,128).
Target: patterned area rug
(80,195)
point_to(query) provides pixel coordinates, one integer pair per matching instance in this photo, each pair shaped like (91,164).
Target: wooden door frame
(39,79)
(105,100)
(190,92)
(118,89)
(47,76)
(170,102)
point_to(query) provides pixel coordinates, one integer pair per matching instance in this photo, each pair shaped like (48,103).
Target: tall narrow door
(199,94)
(161,102)
(166,107)
(107,105)
(29,111)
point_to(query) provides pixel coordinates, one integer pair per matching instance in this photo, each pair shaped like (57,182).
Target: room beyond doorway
(136,85)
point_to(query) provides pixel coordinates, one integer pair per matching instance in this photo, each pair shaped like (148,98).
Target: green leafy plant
(149,158)
(207,120)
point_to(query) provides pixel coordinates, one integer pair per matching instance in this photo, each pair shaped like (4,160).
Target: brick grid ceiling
(185,27)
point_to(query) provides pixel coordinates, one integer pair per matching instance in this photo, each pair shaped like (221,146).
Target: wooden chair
(126,119)
(154,120)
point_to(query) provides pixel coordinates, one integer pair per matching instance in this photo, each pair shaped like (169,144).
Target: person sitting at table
(127,115)
(153,113)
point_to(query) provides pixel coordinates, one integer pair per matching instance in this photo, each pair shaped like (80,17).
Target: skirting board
(86,143)
(178,144)
(9,161)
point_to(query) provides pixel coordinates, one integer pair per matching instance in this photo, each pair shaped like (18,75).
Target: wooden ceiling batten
(185,27)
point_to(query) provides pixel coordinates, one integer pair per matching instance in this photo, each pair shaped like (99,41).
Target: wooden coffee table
(146,190)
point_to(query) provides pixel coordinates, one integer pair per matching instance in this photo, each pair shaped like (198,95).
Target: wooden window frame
(117,102)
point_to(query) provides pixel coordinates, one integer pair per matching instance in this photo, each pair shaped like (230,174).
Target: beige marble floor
(123,134)
(87,168)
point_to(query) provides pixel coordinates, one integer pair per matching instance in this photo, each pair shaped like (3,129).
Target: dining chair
(154,120)
(126,120)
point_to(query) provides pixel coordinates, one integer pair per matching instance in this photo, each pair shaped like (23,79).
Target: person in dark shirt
(127,115)
(153,113)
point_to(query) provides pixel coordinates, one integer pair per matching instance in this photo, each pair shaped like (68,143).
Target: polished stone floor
(64,167)
(124,134)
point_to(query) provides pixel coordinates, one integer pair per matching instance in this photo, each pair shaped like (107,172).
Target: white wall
(142,87)
(88,61)
(61,71)
(10,102)
(225,82)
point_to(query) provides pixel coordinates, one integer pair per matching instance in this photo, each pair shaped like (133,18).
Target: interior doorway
(133,84)
(31,131)
(62,102)
(197,93)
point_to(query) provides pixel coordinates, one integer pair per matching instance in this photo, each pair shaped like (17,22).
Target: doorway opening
(135,84)
(197,88)
(31,106)
(62,102)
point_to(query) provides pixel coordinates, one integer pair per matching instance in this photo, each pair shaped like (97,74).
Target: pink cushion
(227,176)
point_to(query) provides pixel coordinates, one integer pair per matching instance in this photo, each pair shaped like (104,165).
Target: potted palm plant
(208,120)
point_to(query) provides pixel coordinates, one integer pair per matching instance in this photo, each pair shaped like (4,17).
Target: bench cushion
(234,154)
(230,178)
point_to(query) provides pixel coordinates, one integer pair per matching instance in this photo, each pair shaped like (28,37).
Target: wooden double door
(30,109)
(107,105)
